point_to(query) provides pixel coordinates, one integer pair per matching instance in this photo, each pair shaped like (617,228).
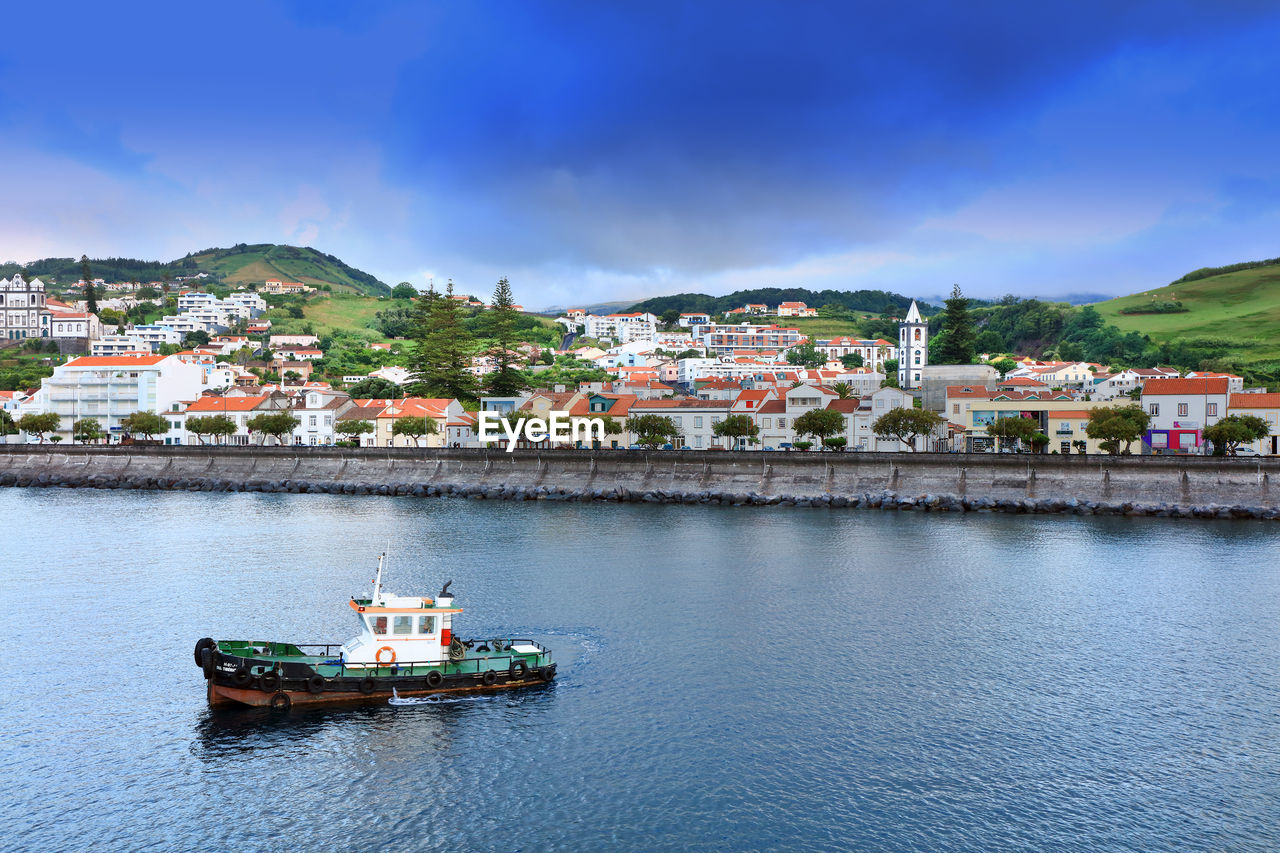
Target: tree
(806,355)
(890,373)
(506,380)
(404,290)
(1080,446)
(1234,430)
(1004,365)
(86,430)
(738,428)
(851,360)
(375,388)
(353,429)
(7,425)
(214,425)
(819,423)
(274,424)
(147,423)
(836,443)
(90,297)
(1013,428)
(653,431)
(1118,427)
(196,338)
(670,317)
(906,425)
(956,345)
(39,424)
(612,426)
(440,359)
(844,390)
(415,428)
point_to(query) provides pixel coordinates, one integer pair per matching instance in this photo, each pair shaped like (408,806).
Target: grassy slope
(1243,306)
(347,311)
(283,262)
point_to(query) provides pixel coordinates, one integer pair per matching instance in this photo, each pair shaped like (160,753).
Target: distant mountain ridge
(871,301)
(240,264)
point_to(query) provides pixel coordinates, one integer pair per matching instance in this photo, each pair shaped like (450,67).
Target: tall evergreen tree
(441,353)
(506,380)
(956,341)
(90,298)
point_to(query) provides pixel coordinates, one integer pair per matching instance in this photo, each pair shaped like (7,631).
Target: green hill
(1239,305)
(867,301)
(238,265)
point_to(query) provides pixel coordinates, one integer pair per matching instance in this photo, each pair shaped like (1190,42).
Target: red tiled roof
(115,360)
(226,404)
(1255,401)
(1161,387)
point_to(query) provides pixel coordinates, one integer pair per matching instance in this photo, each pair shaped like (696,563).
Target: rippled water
(730,679)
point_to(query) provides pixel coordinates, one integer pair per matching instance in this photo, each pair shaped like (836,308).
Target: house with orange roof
(973,408)
(1180,409)
(695,419)
(1265,406)
(796,309)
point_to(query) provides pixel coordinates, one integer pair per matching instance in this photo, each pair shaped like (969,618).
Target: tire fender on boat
(281,702)
(367,685)
(241,677)
(201,645)
(434,678)
(518,670)
(547,673)
(206,662)
(388,650)
(270,679)
(489,677)
(315,683)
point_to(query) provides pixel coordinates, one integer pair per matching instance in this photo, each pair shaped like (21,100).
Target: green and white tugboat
(406,647)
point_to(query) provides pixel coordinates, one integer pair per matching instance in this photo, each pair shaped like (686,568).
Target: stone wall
(1173,486)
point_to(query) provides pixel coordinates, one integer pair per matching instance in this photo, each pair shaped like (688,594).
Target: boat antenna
(377,582)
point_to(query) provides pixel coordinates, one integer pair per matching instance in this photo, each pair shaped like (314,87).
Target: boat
(405,647)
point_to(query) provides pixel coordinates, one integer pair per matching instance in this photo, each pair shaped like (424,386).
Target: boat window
(378,624)
(402,625)
(426,624)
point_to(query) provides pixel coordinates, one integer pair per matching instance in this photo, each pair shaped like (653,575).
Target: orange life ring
(378,656)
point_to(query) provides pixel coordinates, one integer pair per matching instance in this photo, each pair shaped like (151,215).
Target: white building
(1180,409)
(118,345)
(75,324)
(913,347)
(22,309)
(622,328)
(874,353)
(110,388)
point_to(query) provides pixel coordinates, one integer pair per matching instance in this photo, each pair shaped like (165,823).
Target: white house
(1265,406)
(1180,409)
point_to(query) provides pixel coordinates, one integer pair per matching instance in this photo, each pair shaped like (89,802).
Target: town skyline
(608,154)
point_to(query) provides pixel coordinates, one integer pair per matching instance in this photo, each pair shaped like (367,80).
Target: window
(955,408)
(402,625)
(767,423)
(1153,409)
(426,624)
(697,422)
(782,423)
(378,624)
(1212,410)
(1182,410)
(312,421)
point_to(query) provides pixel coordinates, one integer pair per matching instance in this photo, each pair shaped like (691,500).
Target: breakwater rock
(1175,487)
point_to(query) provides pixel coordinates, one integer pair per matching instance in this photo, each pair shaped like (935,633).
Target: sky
(612,151)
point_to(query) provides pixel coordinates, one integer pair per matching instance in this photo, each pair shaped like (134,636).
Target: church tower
(913,348)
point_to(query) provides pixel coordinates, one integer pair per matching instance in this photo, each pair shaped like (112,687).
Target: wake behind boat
(406,647)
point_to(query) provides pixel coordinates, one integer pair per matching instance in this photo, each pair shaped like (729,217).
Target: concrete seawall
(1204,487)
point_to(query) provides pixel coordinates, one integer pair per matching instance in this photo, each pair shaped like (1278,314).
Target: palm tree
(843,390)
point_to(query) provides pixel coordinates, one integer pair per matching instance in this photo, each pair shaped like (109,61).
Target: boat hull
(222,695)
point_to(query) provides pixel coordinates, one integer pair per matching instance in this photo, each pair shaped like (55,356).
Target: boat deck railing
(323,654)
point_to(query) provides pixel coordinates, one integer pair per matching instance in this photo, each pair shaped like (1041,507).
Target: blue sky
(594,151)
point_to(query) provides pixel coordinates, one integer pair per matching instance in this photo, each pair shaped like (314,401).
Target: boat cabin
(400,628)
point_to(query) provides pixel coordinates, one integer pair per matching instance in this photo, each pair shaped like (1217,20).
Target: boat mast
(377,582)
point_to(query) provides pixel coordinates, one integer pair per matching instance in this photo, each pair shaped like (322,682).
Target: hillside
(237,265)
(1241,307)
(870,301)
